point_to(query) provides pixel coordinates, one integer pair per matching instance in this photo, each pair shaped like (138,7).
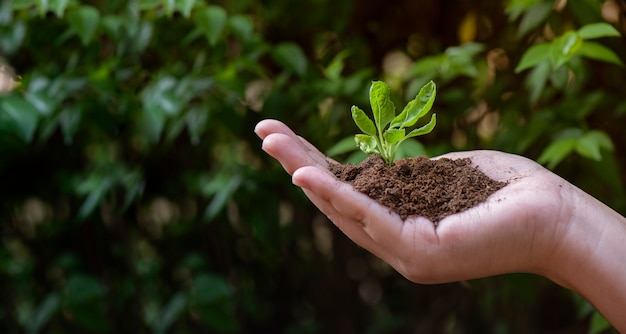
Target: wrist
(589,256)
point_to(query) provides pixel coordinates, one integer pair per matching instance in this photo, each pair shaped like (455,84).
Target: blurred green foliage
(134,197)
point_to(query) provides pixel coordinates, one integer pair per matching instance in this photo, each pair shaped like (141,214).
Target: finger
(380,223)
(269,126)
(290,155)
(351,228)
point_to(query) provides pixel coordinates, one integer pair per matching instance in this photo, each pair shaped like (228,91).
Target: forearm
(592,257)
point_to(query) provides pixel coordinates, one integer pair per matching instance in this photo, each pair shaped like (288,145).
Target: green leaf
(393,136)
(12,37)
(564,47)
(99,187)
(366,143)
(598,324)
(291,57)
(334,69)
(168,7)
(82,290)
(84,21)
(209,289)
(600,52)
(534,16)
(515,8)
(591,143)
(146,5)
(21,4)
(23,115)
(42,7)
(424,129)
(417,107)
(382,106)
(59,6)
(170,313)
(211,298)
(533,56)
(426,67)
(44,312)
(241,26)
(597,30)
(222,196)
(69,120)
(185,7)
(363,122)
(557,151)
(211,20)
(411,148)
(537,79)
(343,146)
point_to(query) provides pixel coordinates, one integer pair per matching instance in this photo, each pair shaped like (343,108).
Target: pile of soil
(419,186)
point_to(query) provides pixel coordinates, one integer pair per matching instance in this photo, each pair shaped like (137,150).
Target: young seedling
(388,130)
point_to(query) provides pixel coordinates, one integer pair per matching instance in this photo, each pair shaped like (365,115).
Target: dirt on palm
(419,186)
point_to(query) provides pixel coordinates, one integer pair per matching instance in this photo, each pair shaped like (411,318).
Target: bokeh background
(135,198)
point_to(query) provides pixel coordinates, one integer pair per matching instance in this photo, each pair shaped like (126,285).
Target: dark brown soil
(419,186)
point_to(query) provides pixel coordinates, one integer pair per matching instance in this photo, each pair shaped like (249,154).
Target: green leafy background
(134,197)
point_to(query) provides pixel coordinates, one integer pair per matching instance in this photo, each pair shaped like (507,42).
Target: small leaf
(170,313)
(533,56)
(366,143)
(209,289)
(343,146)
(334,69)
(58,6)
(69,121)
(382,106)
(534,16)
(18,5)
(598,324)
(363,122)
(411,148)
(564,47)
(44,312)
(424,129)
(168,6)
(515,8)
(226,187)
(416,108)
(597,30)
(212,21)
(393,136)
(537,79)
(82,290)
(426,66)
(94,198)
(84,20)
(291,56)
(241,26)
(557,151)
(600,52)
(591,143)
(24,116)
(185,7)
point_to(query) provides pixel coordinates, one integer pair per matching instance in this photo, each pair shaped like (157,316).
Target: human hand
(510,232)
(539,223)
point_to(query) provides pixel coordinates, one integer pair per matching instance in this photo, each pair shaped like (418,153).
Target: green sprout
(388,130)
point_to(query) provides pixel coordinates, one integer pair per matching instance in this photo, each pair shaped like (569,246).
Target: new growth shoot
(388,130)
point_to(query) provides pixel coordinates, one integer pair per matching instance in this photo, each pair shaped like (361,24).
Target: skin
(539,223)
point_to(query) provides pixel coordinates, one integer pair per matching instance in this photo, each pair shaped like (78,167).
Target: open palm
(512,231)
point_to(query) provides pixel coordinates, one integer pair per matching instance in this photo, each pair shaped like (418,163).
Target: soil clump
(419,186)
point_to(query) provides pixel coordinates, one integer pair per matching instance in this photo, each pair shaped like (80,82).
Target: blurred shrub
(134,196)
